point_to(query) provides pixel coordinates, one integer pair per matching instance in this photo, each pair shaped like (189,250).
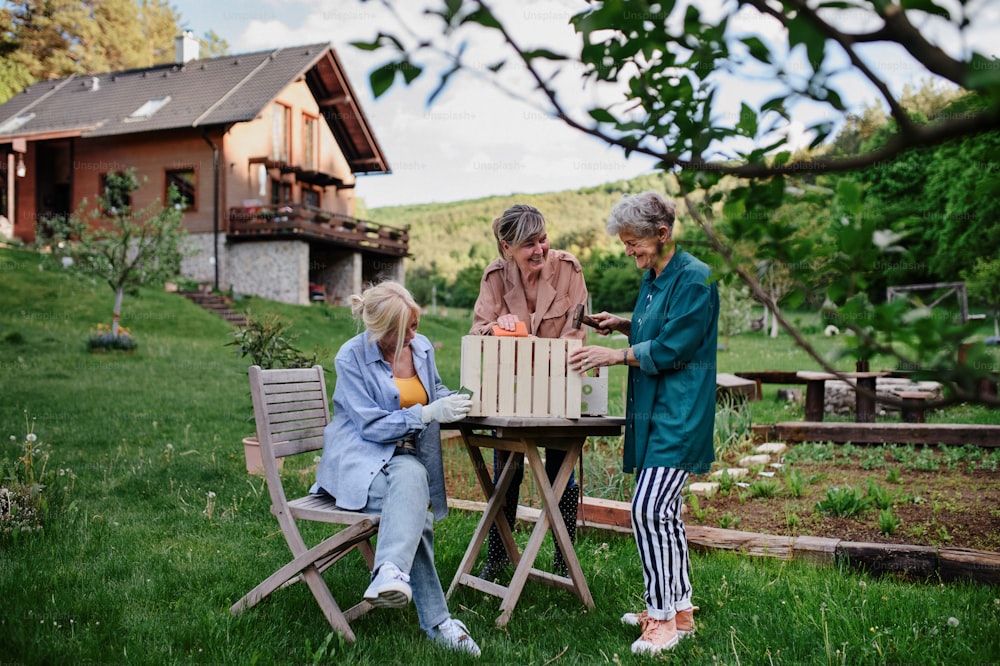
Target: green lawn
(153,528)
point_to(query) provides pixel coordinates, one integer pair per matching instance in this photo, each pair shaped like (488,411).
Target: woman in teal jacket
(670,405)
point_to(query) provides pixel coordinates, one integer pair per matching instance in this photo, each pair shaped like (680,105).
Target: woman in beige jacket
(541,287)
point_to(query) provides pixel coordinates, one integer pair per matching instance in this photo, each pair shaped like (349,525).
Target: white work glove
(448,409)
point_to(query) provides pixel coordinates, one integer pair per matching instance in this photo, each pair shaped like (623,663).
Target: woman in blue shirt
(382,453)
(670,404)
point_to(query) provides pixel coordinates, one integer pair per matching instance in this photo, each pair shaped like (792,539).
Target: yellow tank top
(411,391)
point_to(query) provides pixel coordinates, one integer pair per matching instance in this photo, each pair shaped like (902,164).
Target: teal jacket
(670,407)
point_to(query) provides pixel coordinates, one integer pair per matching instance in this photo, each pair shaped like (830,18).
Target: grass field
(152,528)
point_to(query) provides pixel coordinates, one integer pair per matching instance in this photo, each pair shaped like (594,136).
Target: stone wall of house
(199,260)
(338,270)
(277,270)
(283,270)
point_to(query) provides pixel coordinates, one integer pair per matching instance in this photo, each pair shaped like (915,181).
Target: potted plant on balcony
(268,343)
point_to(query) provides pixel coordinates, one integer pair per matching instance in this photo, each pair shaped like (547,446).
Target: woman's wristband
(625,356)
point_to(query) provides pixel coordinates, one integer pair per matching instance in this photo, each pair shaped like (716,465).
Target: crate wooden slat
(527,377)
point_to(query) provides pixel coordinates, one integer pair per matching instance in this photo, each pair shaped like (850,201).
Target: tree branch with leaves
(663,69)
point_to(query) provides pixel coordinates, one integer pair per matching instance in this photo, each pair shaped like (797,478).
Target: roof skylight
(16,123)
(147,110)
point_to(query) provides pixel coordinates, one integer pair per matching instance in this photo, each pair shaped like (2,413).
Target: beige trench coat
(561,288)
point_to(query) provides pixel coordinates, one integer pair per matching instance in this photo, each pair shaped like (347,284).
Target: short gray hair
(641,214)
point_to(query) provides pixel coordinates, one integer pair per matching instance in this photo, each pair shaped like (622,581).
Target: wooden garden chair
(291,410)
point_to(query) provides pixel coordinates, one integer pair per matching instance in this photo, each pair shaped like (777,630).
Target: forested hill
(447,237)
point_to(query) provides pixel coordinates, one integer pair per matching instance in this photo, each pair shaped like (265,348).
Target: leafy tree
(14,77)
(465,289)
(735,310)
(983,283)
(213,46)
(665,63)
(51,39)
(159,21)
(125,248)
(612,280)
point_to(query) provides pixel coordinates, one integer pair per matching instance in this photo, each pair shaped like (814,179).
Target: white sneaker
(390,588)
(453,635)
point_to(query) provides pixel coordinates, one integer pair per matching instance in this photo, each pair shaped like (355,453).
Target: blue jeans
(400,494)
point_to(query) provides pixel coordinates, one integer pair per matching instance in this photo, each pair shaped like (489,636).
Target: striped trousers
(661,541)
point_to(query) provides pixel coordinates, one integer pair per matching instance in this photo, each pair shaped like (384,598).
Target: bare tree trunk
(774,323)
(119,294)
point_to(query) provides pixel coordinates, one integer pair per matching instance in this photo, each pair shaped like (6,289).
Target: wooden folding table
(521,438)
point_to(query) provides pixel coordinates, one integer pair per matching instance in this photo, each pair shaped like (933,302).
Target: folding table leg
(550,517)
(491,516)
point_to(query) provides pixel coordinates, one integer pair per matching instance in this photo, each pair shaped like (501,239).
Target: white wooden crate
(527,377)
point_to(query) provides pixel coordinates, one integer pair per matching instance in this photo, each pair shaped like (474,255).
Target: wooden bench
(735,388)
(760,377)
(957,434)
(914,405)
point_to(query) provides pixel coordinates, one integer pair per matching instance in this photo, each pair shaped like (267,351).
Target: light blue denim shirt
(368,422)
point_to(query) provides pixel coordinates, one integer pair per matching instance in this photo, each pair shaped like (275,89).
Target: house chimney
(187,47)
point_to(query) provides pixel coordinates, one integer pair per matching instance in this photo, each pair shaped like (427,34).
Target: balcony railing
(297,220)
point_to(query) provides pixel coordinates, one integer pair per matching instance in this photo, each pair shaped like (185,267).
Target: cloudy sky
(474,141)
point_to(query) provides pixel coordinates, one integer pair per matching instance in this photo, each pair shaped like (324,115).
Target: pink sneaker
(657,636)
(684,619)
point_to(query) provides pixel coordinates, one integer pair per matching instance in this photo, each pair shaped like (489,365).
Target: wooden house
(265,147)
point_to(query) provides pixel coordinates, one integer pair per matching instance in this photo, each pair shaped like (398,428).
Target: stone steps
(220,305)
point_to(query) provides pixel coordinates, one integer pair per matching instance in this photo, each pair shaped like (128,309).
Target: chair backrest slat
(291,411)
(272,387)
(298,416)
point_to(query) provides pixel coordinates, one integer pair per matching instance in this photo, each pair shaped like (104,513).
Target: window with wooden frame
(281,132)
(310,142)
(281,192)
(311,197)
(185,179)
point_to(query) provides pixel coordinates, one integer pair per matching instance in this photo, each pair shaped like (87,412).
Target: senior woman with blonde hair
(382,453)
(670,405)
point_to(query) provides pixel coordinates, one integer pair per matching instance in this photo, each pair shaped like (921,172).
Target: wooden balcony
(307,223)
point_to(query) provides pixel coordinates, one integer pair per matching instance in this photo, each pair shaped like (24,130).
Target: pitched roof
(213,91)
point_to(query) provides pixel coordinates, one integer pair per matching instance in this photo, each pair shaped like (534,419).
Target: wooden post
(913,406)
(864,399)
(815,399)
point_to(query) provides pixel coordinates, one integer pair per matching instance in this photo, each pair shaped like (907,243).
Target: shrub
(843,502)
(269,344)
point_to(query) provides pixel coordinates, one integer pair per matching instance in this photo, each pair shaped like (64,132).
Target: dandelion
(952,621)
(31,437)
(210,505)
